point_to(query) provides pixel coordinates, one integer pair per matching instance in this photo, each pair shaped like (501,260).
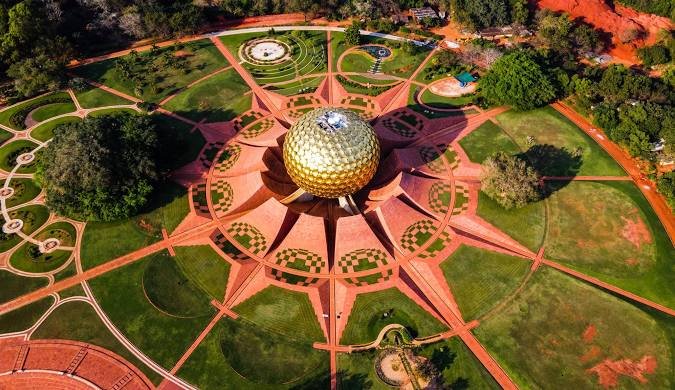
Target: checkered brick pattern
(199,201)
(299,101)
(248,236)
(439,197)
(222,196)
(359,101)
(450,156)
(409,119)
(228,157)
(437,246)
(228,248)
(300,259)
(461,199)
(295,114)
(399,128)
(297,280)
(417,234)
(375,278)
(246,119)
(257,129)
(209,154)
(433,160)
(362,259)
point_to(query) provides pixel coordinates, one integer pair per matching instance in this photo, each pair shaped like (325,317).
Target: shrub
(509,181)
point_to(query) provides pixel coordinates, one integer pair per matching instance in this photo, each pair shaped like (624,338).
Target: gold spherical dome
(331,152)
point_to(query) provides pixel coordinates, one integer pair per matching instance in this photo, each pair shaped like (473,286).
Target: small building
(400,18)
(425,12)
(465,78)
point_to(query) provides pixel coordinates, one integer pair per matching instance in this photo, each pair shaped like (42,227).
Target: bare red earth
(615,20)
(636,231)
(589,333)
(609,370)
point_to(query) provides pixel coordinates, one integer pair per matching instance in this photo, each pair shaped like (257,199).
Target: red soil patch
(636,231)
(615,20)
(591,354)
(145,225)
(609,370)
(589,333)
(632,262)
(182,53)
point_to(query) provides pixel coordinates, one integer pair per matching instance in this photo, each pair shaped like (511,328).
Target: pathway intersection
(332,289)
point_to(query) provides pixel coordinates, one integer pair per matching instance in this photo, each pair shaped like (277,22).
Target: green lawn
(181,146)
(88,329)
(104,241)
(110,111)
(357,61)
(33,217)
(162,337)
(25,258)
(548,126)
(45,131)
(15,116)
(201,58)
(248,357)
(305,85)
(357,371)
(285,312)
(608,230)
(66,273)
(436,101)
(486,140)
(15,285)
(94,97)
(51,110)
(526,225)
(338,46)
(25,190)
(539,338)
(368,317)
(217,99)
(401,64)
(24,317)
(5,136)
(9,152)
(171,291)
(75,291)
(205,268)
(480,279)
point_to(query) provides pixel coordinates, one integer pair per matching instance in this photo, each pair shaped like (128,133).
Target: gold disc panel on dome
(331,152)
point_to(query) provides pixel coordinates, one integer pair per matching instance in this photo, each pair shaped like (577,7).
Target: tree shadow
(348,380)
(552,161)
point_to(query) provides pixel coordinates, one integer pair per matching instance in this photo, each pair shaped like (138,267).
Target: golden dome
(331,152)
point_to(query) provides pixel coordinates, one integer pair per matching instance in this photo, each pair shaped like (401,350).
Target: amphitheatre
(239,278)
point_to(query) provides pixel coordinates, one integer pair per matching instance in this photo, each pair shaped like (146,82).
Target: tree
(353,35)
(101,168)
(666,185)
(654,55)
(516,79)
(36,74)
(509,181)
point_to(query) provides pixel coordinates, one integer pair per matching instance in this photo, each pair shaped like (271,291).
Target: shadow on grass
(549,160)
(349,380)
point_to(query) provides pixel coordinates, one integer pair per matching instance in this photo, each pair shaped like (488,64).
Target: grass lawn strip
(15,285)
(45,131)
(9,152)
(205,268)
(94,97)
(25,190)
(560,328)
(368,317)
(15,116)
(480,279)
(89,329)
(24,317)
(487,140)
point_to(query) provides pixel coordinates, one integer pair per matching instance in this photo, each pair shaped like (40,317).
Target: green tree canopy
(516,79)
(100,168)
(352,34)
(509,181)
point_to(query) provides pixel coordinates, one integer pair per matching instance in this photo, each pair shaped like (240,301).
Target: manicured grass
(485,141)
(171,291)
(590,224)
(15,115)
(15,285)
(25,190)
(5,136)
(525,225)
(96,97)
(33,217)
(436,101)
(369,80)
(368,317)
(162,337)
(433,114)
(202,58)
(548,126)
(180,144)
(217,99)
(9,152)
(45,131)
(25,258)
(357,371)
(357,61)
(75,291)
(109,111)
(338,46)
(104,241)
(24,317)
(205,268)
(480,279)
(88,329)
(306,85)
(51,110)
(545,345)
(286,312)
(247,357)
(402,64)
(66,273)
